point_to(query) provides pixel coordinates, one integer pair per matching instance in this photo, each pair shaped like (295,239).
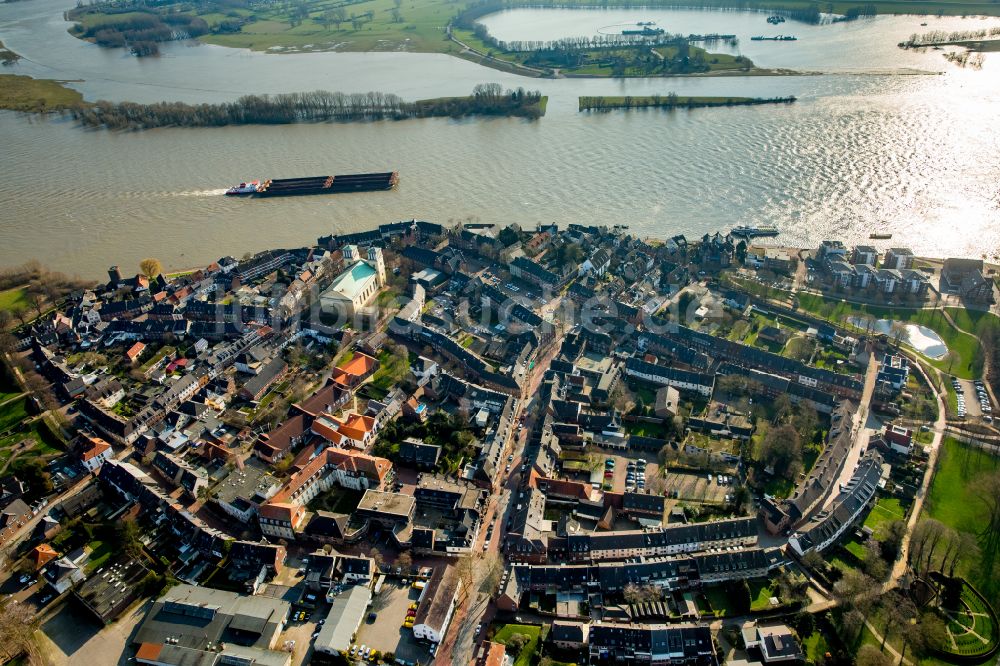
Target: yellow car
(408,625)
(413,606)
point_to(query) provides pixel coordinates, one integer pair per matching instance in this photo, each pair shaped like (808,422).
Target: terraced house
(739,532)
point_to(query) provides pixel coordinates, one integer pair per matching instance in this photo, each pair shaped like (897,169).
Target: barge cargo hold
(754,232)
(287,187)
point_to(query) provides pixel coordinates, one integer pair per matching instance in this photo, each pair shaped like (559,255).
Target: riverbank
(381,25)
(23,93)
(672,101)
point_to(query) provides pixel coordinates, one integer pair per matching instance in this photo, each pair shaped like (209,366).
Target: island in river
(673,101)
(22,93)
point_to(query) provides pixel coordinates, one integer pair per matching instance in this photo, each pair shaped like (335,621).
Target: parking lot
(387,633)
(972,398)
(620,478)
(696,487)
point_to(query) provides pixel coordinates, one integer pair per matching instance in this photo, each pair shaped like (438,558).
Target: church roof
(353,281)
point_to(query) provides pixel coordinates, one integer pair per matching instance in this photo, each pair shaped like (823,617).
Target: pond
(921,338)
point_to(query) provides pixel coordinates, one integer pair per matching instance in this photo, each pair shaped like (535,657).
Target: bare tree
(900,612)
(874,565)
(150,267)
(18,624)
(968,550)
(926,535)
(987,489)
(632,594)
(857,592)
(869,655)
(464,569)
(404,561)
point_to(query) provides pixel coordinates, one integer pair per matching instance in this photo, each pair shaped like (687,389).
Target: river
(864,149)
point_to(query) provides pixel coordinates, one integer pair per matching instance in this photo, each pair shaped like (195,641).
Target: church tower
(378,263)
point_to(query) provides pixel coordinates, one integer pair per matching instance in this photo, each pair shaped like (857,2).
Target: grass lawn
(23,93)
(392,369)
(13,413)
(718,599)
(100,554)
(974,321)
(16,297)
(967,362)
(7,395)
(642,429)
(838,561)
(855,548)
(885,511)
(157,357)
(531,631)
(953,499)
(760,595)
(778,486)
(815,647)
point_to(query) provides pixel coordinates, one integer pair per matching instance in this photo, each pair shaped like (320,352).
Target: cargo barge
(754,232)
(287,187)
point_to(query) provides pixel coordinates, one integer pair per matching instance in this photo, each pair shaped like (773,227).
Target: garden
(522,640)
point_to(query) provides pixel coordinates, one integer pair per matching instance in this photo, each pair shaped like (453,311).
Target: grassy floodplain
(421,25)
(23,93)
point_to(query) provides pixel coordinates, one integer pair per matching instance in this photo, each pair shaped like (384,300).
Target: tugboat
(775,19)
(243,189)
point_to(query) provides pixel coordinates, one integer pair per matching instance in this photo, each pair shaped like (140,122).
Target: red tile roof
(96,448)
(283,505)
(43,554)
(136,349)
(496,654)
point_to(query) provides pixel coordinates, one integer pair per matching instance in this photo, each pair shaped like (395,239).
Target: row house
(827,526)
(671,540)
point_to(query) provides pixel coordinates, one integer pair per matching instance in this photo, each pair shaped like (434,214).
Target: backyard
(393,366)
(532,632)
(885,511)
